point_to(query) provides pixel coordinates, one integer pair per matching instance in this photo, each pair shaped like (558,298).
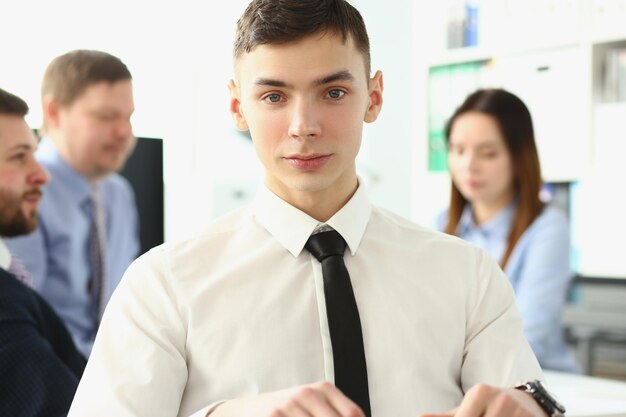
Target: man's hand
(487,401)
(321,399)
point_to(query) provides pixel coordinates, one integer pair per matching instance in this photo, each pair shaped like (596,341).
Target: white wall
(386,156)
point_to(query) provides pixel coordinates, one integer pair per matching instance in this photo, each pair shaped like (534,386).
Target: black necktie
(343,318)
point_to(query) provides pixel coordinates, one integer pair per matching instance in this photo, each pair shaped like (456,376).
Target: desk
(585,396)
(589,326)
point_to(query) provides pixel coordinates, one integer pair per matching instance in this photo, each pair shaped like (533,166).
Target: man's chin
(29,222)
(18,229)
(109,168)
(31,226)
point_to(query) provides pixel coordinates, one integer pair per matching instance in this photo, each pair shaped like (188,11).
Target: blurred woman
(495,204)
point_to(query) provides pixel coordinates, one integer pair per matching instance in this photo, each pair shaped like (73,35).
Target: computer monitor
(144,171)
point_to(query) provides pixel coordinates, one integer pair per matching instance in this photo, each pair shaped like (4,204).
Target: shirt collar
(292,227)
(5,256)
(75,187)
(500,224)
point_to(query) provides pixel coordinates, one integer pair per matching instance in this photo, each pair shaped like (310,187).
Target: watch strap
(541,395)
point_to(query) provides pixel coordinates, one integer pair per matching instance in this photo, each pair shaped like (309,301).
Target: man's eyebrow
(21,147)
(269,82)
(343,75)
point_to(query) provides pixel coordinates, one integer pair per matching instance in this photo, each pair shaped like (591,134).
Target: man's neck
(322,209)
(63,150)
(320,205)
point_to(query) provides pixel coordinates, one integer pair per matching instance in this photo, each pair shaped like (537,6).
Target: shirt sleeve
(542,286)
(31,249)
(496,351)
(138,365)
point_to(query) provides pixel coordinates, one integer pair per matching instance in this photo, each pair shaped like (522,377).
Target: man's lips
(116,149)
(307,162)
(33,197)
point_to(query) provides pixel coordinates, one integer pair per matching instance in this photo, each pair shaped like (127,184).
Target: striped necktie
(18,269)
(97,253)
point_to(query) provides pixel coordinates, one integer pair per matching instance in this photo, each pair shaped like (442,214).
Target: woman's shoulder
(551,220)
(441,220)
(553,215)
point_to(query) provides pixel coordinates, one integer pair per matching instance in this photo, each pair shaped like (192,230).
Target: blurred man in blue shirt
(88,232)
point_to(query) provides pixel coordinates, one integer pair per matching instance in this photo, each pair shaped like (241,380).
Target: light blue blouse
(56,253)
(539,271)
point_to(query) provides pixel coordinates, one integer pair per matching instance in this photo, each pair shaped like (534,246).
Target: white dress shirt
(5,255)
(239,310)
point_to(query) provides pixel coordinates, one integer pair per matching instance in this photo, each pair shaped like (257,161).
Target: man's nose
(37,175)
(304,122)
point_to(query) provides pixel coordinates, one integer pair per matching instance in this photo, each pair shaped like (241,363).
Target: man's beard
(13,221)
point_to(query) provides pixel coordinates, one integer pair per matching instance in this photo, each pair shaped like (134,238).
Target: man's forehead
(304,61)
(105,96)
(325,40)
(14,132)
(104,90)
(342,75)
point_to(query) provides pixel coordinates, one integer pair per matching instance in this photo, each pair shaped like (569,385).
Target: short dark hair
(12,104)
(282,21)
(68,75)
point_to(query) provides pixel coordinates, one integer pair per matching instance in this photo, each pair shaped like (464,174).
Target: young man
(88,231)
(245,321)
(39,363)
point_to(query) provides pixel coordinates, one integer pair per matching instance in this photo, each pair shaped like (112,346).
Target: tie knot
(325,244)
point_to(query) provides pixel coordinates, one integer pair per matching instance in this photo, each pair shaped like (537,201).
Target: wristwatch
(546,401)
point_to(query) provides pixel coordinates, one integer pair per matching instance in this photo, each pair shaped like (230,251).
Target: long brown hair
(516,126)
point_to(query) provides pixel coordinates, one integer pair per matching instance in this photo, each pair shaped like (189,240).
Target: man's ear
(235,106)
(376,98)
(51,113)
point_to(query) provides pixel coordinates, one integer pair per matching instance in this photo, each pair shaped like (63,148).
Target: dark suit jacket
(39,364)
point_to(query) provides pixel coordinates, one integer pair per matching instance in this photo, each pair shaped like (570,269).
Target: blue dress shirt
(56,254)
(539,271)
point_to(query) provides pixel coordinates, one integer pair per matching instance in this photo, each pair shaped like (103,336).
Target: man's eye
(273,98)
(336,93)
